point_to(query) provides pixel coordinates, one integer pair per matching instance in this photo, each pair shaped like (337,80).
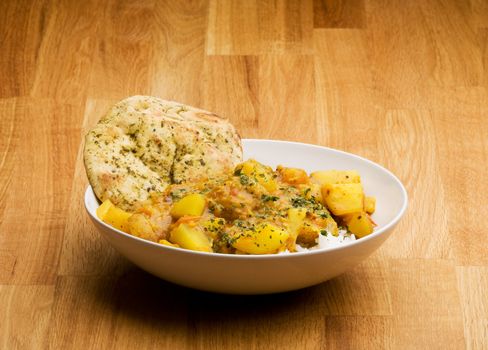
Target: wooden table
(403,83)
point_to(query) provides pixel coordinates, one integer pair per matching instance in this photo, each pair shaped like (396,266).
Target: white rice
(327,241)
(333,241)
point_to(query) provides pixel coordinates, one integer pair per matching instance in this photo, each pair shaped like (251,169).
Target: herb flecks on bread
(145,143)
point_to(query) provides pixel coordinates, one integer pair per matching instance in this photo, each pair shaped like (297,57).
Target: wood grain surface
(404,83)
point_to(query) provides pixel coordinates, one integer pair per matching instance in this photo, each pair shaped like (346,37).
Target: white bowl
(259,274)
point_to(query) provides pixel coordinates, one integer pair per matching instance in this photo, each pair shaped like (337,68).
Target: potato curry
(254,210)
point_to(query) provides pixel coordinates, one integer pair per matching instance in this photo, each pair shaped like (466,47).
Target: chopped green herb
(268,198)
(244,179)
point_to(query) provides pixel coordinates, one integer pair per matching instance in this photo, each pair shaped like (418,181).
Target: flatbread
(145,143)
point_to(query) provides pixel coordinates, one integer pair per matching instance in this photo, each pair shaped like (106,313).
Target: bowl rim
(89,193)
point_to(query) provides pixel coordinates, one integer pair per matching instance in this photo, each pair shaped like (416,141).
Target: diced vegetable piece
(296,216)
(140,226)
(369,204)
(248,167)
(213,226)
(262,173)
(307,235)
(335,177)
(343,198)
(295,221)
(330,225)
(190,205)
(293,176)
(359,223)
(314,192)
(103,209)
(189,237)
(168,243)
(266,239)
(116,217)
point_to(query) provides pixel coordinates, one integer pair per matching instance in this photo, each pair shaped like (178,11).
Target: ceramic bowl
(251,274)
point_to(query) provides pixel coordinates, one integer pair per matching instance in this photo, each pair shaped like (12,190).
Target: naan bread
(145,143)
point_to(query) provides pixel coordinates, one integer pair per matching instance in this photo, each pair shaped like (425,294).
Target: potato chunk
(190,205)
(168,243)
(261,173)
(359,223)
(307,235)
(369,204)
(313,190)
(295,222)
(213,226)
(293,176)
(189,237)
(335,177)
(265,239)
(343,198)
(295,217)
(116,217)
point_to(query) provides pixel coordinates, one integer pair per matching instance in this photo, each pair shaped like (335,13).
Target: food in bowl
(173,174)
(252,210)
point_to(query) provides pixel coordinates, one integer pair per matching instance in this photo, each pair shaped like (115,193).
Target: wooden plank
(8,141)
(37,170)
(339,14)
(479,13)
(286,26)
(465,144)
(25,316)
(283,79)
(400,52)
(7,159)
(363,332)
(426,305)
(473,289)
(483,44)
(22,26)
(415,161)
(233,28)
(177,47)
(344,91)
(123,51)
(135,310)
(348,117)
(68,81)
(365,291)
(231,90)
(429,50)
(287,320)
(252,27)
(453,43)
(341,57)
